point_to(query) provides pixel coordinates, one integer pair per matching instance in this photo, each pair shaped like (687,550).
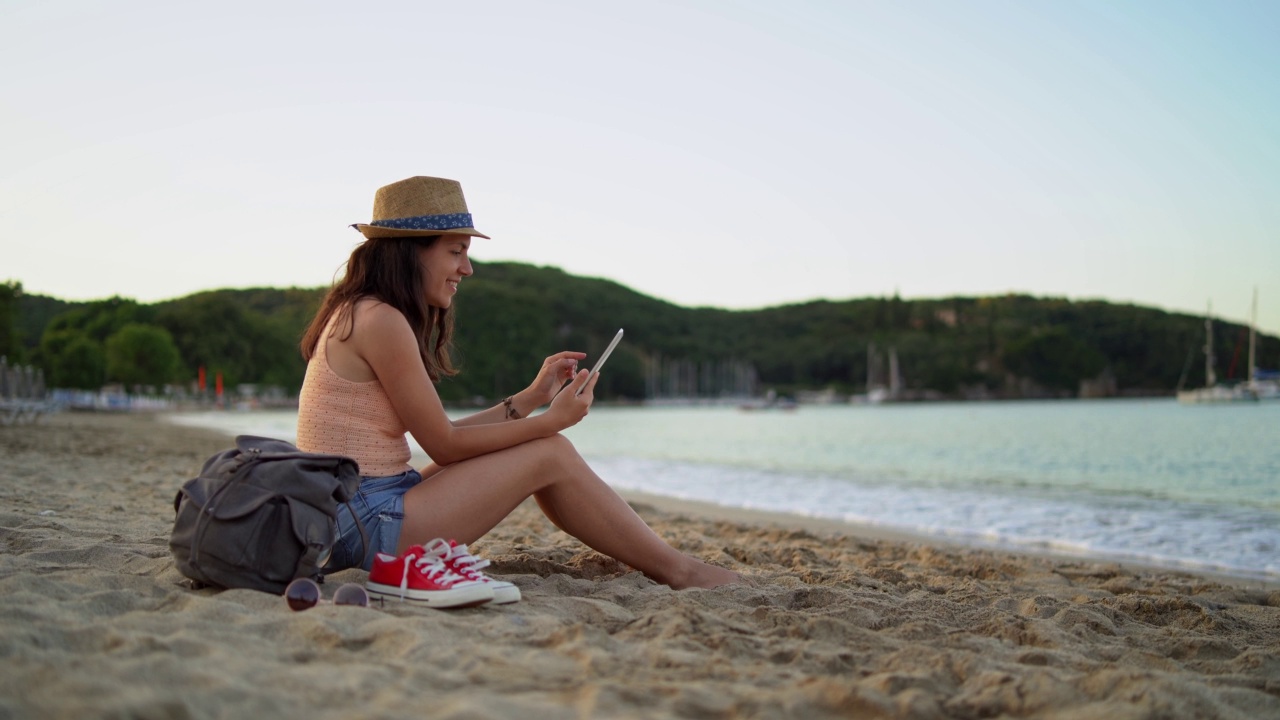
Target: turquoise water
(1195,487)
(1159,449)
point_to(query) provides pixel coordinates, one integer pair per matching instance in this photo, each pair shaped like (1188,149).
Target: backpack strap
(364,542)
(238,473)
(364,536)
(308,560)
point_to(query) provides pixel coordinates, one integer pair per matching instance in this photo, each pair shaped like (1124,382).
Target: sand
(96,622)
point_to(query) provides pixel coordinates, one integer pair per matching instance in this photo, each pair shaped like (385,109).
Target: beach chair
(23,397)
(8,404)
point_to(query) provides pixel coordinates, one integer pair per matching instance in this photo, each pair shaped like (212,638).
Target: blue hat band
(452,221)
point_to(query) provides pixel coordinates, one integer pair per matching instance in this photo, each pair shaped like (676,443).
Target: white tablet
(600,363)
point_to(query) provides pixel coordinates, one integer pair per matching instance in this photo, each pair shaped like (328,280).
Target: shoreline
(757,516)
(762,517)
(97,622)
(1228,542)
(829,527)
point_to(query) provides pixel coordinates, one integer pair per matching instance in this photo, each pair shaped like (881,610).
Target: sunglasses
(304,594)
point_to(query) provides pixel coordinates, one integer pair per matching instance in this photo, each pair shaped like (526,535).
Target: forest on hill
(511,315)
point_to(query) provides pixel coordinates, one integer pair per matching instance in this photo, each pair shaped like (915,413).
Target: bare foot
(703,575)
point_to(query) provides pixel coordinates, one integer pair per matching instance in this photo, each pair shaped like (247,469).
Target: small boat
(771,401)
(1214,391)
(1266,383)
(877,393)
(1218,394)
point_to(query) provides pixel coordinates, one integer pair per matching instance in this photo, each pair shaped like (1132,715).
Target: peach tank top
(355,419)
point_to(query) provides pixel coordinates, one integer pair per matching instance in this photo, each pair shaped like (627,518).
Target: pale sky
(731,154)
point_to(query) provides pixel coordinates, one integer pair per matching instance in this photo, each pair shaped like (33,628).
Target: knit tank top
(355,419)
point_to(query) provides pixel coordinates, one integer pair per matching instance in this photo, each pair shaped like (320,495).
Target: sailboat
(877,392)
(1265,384)
(1268,385)
(1213,391)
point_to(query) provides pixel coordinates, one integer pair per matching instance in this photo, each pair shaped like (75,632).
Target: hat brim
(374,231)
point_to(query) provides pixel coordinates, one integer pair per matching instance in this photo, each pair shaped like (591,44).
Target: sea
(1148,482)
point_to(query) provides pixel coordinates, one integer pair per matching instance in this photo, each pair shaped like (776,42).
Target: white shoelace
(462,561)
(468,564)
(431,565)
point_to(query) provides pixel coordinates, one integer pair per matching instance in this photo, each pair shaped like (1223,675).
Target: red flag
(217,379)
(201,376)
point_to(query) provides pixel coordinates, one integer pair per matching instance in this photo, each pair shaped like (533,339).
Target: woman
(380,341)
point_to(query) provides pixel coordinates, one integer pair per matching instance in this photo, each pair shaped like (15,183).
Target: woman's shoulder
(377,315)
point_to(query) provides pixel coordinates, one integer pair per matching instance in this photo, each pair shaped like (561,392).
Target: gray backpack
(261,514)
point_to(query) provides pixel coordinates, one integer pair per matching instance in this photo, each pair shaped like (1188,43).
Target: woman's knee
(554,449)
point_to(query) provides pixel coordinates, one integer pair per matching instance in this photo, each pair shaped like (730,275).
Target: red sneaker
(468,566)
(421,576)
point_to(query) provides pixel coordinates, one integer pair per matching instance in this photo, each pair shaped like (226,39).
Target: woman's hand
(570,406)
(552,375)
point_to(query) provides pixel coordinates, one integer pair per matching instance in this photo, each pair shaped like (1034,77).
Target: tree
(1054,359)
(214,331)
(10,343)
(78,362)
(142,355)
(95,321)
(100,319)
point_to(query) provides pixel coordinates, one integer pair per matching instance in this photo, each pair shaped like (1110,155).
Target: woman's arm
(382,338)
(554,373)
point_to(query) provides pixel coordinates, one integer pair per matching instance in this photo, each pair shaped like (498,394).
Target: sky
(731,154)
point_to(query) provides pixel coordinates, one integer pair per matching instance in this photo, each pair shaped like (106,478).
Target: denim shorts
(379,503)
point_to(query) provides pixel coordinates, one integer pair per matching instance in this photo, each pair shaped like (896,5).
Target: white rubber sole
(469,595)
(504,592)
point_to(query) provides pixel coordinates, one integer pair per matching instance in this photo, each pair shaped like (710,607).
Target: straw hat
(419,206)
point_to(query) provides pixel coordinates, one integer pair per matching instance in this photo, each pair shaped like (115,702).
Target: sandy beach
(95,621)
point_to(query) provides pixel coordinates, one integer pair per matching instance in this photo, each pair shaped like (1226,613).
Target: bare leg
(467,499)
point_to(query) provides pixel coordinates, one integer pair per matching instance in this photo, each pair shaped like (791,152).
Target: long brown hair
(389,270)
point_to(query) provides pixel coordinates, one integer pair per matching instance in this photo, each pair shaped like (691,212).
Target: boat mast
(895,374)
(1210,379)
(1253,332)
(871,365)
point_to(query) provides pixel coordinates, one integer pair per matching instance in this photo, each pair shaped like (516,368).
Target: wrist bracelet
(512,413)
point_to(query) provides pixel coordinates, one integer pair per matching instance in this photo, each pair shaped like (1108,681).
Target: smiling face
(444,264)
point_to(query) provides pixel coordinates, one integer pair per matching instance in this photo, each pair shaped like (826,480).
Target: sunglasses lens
(351,594)
(302,594)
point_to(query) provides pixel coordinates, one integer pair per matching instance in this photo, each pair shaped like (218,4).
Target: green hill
(511,316)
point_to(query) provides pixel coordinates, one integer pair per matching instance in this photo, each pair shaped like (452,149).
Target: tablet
(600,363)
